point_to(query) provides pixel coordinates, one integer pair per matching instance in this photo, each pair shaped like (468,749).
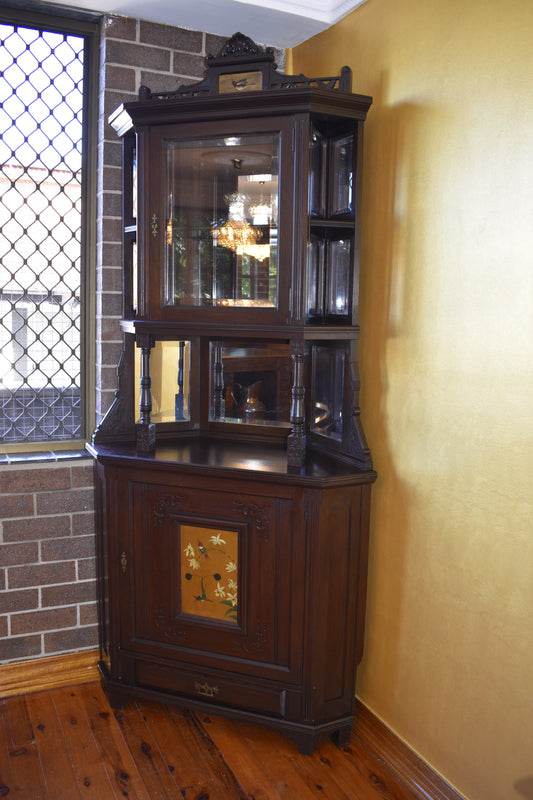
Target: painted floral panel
(209,572)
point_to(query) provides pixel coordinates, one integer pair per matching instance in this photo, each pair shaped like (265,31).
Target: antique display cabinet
(232,471)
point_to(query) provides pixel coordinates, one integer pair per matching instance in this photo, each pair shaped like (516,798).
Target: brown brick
(184,64)
(161,81)
(71,639)
(117,27)
(170,36)
(110,257)
(89,614)
(41,574)
(80,592)
(16,505)
(138,55)
(17,648)
(83,475)
(112,152)
(109,330)
(34,480)
(22,600)
(2,579)
(109,352)
(86,569)
(110,180)
(112,204)
(3,627)
(121,78)
(26,553)
(65,502)
(110,228)
(110,279)
(74,547)
(36,621)
(36,528)
(83,524)
(111,305)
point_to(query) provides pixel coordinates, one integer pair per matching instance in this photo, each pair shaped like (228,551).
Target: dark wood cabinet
(234,504)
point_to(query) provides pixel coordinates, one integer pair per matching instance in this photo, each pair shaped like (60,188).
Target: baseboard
(41,674)
(406,766)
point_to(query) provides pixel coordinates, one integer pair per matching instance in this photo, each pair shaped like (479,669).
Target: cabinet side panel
(336,602)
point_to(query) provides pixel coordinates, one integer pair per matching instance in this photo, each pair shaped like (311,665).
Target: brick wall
(47,559)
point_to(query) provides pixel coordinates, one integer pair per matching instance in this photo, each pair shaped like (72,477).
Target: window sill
(41,456)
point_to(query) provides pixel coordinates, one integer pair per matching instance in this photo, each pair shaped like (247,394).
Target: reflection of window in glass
(222,221)
(170,366)
(328,391)
(42,142)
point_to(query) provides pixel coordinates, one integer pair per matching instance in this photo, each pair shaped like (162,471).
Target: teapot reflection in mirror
(245,401)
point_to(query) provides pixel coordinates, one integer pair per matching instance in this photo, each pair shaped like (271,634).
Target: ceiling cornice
(278,23)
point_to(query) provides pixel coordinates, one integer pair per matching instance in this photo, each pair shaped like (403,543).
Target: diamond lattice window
(41,137)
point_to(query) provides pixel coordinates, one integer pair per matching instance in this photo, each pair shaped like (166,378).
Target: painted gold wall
(446,361)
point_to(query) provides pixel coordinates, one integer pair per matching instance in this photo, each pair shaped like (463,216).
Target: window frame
(66,20)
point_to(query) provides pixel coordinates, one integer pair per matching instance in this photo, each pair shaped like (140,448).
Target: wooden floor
(68,743)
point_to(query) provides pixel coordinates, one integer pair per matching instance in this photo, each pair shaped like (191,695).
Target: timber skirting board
(41,674)
(406,766)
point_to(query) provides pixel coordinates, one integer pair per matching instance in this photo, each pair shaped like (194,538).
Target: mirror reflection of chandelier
(236,233)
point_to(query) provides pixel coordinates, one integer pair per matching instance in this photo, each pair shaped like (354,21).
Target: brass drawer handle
(204,690)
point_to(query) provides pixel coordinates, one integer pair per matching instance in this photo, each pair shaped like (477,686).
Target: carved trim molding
(164,504)
(257,643)
(256,515)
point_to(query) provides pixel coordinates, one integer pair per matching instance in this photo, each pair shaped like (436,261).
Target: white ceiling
(278,23)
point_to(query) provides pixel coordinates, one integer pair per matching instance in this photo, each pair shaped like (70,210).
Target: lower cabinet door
(213,576)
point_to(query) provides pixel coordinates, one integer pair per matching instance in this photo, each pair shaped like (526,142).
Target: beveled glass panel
(209,572)
(315,278)
(222,221)
(250,383)
(341,175)
(317,166)
(327,391)
(339,259)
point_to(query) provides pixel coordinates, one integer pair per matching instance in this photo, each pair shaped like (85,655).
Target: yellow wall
(446,361)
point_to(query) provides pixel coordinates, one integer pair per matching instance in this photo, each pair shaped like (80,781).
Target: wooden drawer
(210,687)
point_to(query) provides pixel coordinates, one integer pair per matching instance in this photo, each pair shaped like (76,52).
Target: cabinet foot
(308,741)
(343,736)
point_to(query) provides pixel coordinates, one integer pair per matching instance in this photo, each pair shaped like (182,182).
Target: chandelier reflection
(236,233)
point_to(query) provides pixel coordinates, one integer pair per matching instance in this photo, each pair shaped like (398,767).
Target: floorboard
(68,744)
